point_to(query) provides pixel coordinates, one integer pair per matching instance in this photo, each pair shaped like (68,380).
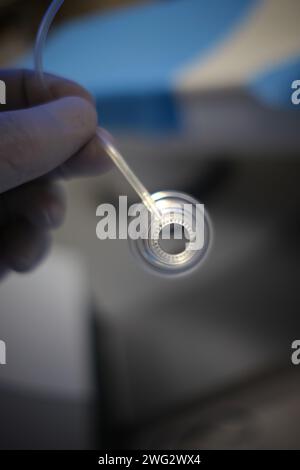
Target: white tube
(113,153)
(132,179)
(42,36)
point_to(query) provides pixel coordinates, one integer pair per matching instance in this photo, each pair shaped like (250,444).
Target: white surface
(43,320)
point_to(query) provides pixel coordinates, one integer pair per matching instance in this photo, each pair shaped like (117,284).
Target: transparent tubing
(42,36)
(110,149)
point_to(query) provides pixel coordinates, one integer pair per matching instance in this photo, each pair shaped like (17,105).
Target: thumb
(37,140)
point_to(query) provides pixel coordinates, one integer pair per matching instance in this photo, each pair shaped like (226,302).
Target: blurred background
(103,354)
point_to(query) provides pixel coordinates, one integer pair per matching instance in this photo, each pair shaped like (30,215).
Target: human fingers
(36,141)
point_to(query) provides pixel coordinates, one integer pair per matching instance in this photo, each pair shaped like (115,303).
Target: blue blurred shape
(129,58)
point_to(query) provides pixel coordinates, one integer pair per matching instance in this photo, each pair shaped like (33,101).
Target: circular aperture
(179,240)
(173,239)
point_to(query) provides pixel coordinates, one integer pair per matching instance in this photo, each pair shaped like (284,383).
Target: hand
(45,134)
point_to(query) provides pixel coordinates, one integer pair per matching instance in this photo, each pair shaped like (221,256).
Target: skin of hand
(47,134)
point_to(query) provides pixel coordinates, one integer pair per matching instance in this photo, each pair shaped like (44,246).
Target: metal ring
(149,250)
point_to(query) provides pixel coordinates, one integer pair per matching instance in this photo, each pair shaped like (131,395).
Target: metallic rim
(149,250)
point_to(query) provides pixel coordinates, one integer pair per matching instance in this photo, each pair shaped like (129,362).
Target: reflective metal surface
(177,209)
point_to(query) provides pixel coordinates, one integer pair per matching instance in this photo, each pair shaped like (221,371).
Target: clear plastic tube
(42,36)
(132,179)
(110,149)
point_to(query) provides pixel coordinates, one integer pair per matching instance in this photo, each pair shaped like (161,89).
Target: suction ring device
(179,240)
(179,235)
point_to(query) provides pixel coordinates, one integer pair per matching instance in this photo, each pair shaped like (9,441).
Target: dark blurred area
(113,357)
